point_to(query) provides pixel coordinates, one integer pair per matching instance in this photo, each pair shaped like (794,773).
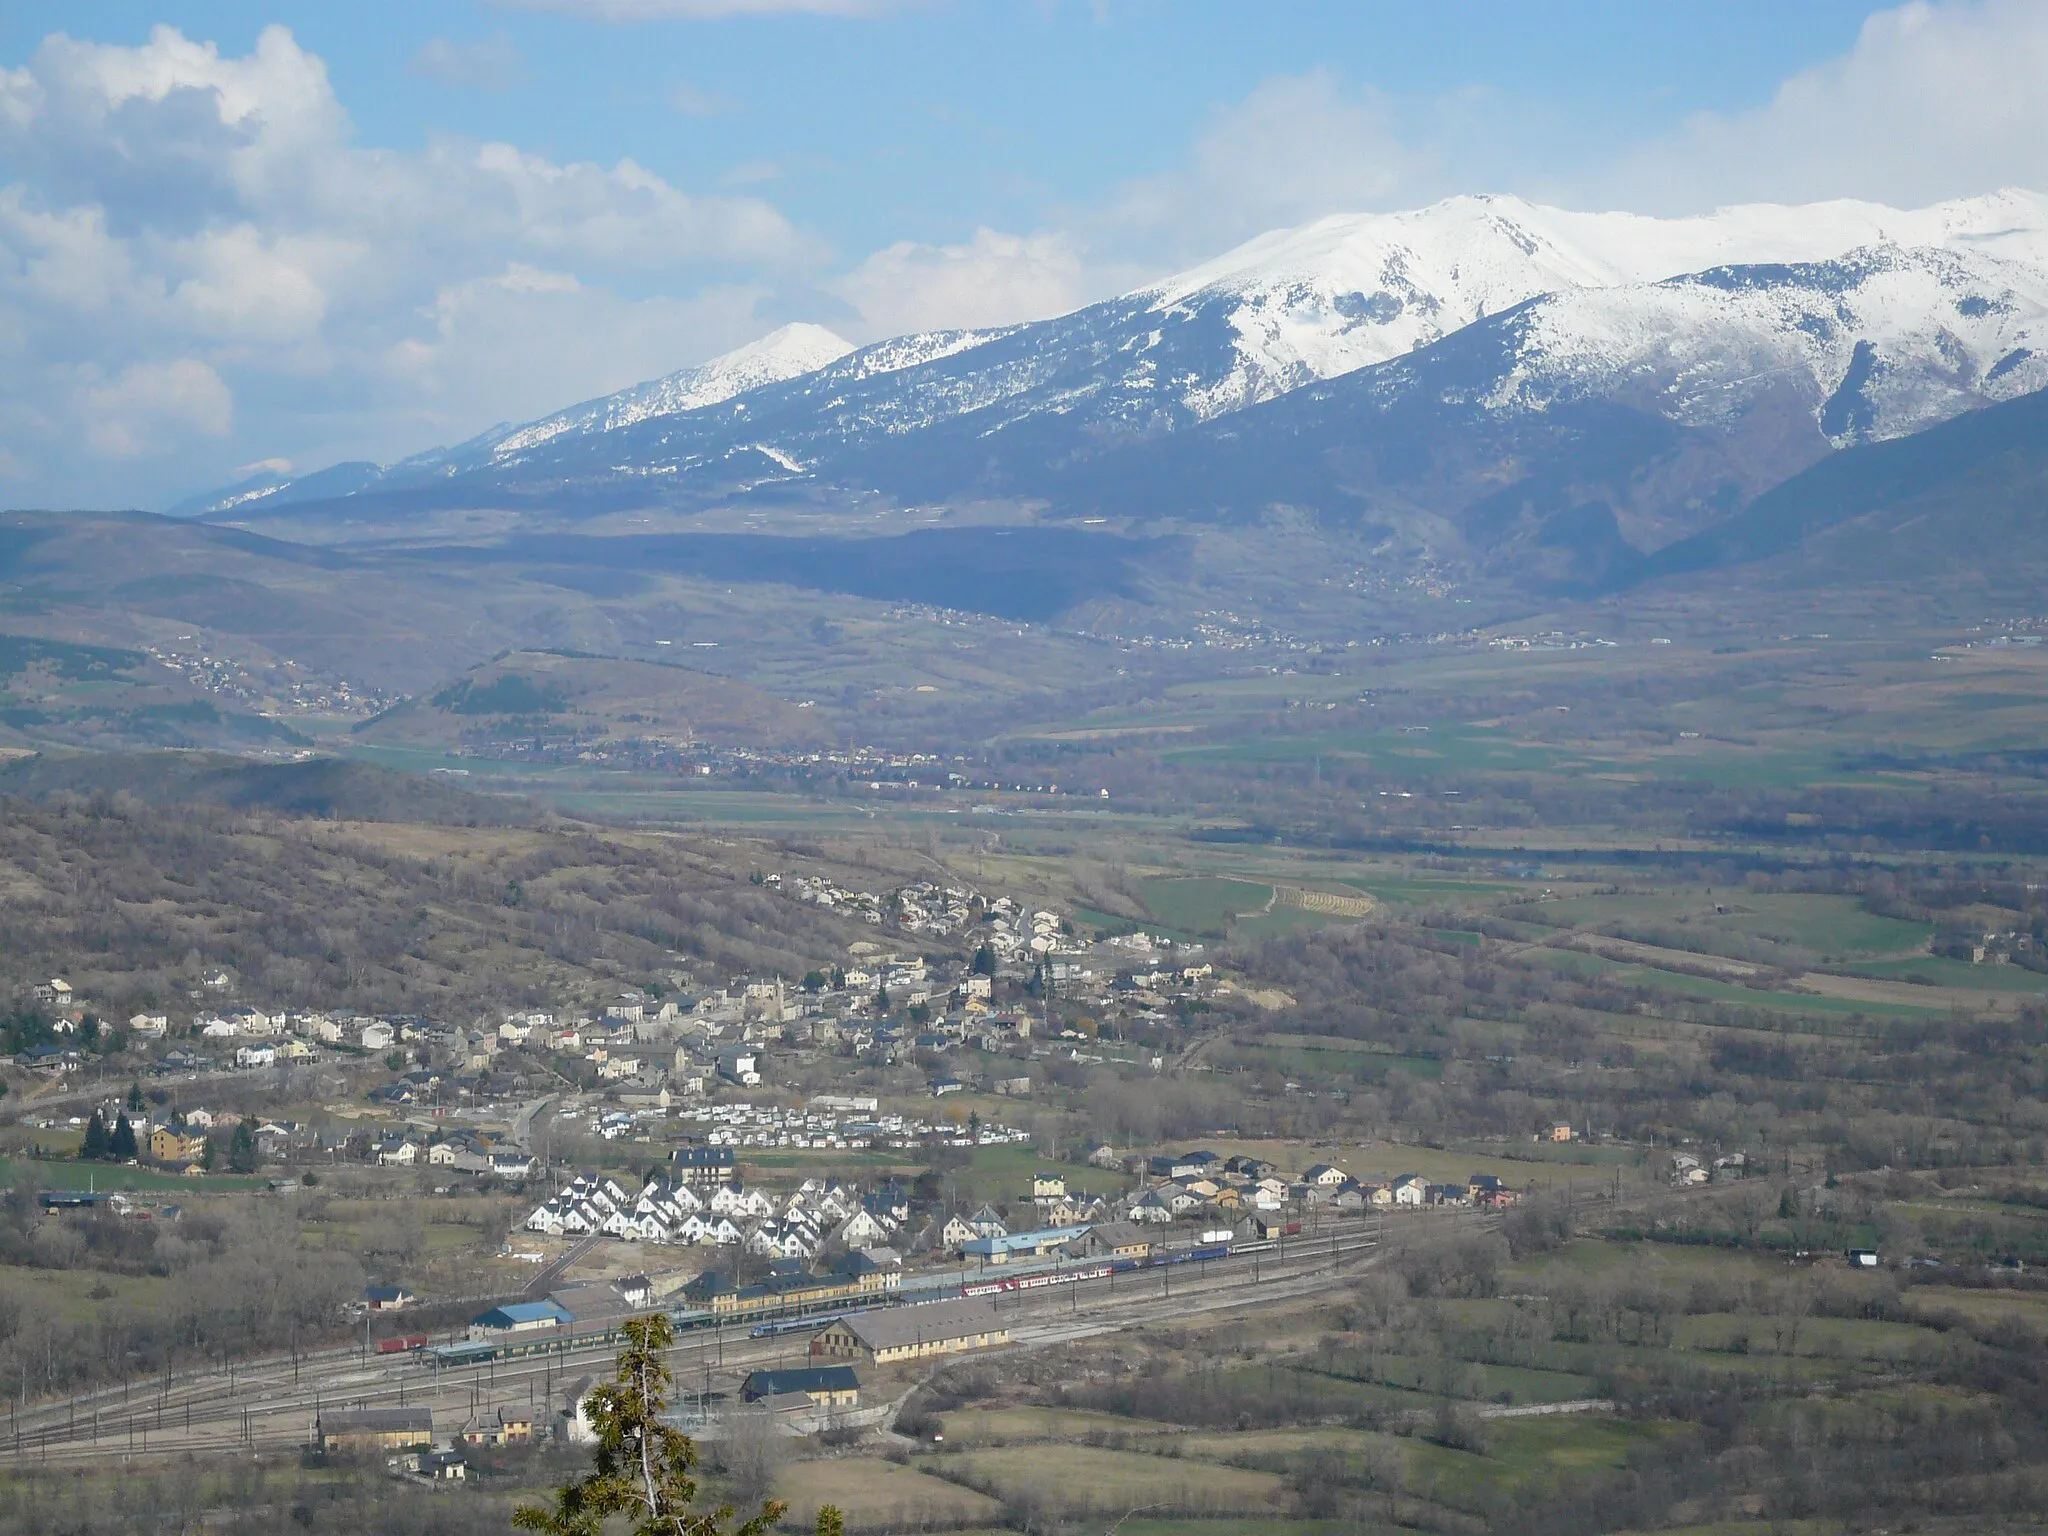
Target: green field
(52,1173)
(1942,972)
(1522,1450)
(1087,1480)
(1404,754)
(1284,920)
(1006,1426)
(1201,904)
(1317,1055)
(1679,985)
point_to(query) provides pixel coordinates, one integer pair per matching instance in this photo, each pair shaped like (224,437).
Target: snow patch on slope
(1940,331)
(913,351)
(783,354)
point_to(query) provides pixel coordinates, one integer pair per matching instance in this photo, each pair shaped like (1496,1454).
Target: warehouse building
(1111,1239)
(910,1333)
(374,1429)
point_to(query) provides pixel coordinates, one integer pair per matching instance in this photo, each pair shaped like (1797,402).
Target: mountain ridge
(1523,389)
(1292,307)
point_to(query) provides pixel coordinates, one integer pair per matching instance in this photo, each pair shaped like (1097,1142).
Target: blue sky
(923,123)
(239,231)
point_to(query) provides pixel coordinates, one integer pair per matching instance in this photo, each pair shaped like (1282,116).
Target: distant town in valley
(837,768)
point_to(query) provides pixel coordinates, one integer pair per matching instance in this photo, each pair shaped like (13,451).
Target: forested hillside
(134,902)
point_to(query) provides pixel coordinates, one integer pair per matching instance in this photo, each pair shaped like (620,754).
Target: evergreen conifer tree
(643,1466)
(243,1155)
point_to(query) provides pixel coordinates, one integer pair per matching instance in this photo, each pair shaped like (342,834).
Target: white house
(377,1036)
(1151,1207)
(717,1229)
(860,1230)
(742,1066)
(736,1201)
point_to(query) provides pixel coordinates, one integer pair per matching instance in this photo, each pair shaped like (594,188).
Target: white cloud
(196,257)
(485,64)
(152,403)
(991,279)
(532,340)
(200,265)
(1296,147)
(1932,102)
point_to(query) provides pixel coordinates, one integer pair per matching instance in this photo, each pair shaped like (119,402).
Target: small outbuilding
(822,1386)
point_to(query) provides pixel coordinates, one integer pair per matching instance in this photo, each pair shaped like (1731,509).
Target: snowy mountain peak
(781,354)
(1352,290)
(1868,321)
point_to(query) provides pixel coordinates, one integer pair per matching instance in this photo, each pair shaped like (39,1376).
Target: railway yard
(272,1403)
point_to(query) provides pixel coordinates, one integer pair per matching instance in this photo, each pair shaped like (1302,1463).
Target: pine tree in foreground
(643,1466)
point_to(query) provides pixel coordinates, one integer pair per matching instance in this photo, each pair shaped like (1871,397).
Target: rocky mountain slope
(1497,385)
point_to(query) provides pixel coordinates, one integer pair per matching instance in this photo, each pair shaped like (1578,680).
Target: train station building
(910,1333)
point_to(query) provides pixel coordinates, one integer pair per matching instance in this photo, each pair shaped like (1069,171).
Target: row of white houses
(798,1226)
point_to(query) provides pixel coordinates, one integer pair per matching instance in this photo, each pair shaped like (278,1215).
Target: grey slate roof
(900,1327)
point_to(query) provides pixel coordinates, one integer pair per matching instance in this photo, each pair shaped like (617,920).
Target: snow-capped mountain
(1878,342)
(783,354)
(1761,335)
(1344,294)
(1350,291)
(1570,435)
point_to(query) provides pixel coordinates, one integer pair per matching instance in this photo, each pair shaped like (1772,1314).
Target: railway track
(271,1404)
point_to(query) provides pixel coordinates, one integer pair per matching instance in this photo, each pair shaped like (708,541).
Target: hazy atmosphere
(234,234)
(1139,768)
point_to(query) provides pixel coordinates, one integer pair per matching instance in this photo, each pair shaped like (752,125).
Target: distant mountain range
(1488,382)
